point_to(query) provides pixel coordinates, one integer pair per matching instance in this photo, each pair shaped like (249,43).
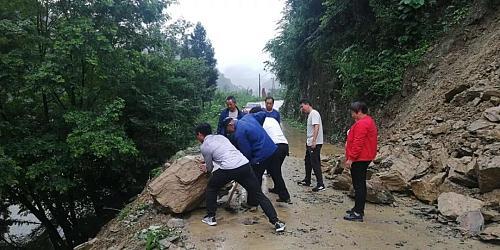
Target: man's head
(269,103)
(358,110)
(255,110)
(228,123)
(231,103)
(202,130)
(305,106)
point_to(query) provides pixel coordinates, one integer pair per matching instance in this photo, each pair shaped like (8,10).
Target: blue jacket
(223,114)
(252,140)
(274,114)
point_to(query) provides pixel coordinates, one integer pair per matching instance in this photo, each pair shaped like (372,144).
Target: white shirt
(233,114)
(273,129)
(218,152)
(312,119)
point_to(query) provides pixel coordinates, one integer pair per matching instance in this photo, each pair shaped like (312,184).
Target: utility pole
(272,89)
(259,86)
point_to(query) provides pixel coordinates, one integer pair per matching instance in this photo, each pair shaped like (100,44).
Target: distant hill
(225,84)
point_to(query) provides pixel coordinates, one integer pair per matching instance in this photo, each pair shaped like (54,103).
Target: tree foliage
(93,95)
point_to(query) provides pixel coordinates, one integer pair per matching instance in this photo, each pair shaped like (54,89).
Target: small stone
(492,114)
(176,223)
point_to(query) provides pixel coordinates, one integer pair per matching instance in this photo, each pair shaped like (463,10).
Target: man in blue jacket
(254,143)
(231,111)
(270,111)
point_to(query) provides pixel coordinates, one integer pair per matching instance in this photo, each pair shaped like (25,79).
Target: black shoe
(350,211)
(284,200)
(272,190)
(279,226)
(354,217)
(304,183)
(318,188)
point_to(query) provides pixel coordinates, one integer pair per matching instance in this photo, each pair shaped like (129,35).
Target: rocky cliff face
(440,141)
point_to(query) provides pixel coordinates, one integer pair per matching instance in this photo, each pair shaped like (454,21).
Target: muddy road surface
(315,220)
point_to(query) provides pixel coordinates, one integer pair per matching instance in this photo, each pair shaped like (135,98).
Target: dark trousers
(313,162)
(246,178)
(358,175)
(259,170)
(276,174)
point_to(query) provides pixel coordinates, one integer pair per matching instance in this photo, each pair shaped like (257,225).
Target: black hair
(305,101)
(226,121)
(204,129)
(255,110)
(231,98)
(359,107)
(269,97)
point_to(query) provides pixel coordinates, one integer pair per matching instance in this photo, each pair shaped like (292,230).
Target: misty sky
(238,29)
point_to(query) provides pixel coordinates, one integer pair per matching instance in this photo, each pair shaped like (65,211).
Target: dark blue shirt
(223,114)
(274,114)
(252,140)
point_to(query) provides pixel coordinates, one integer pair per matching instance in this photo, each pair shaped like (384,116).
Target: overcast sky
(238,29)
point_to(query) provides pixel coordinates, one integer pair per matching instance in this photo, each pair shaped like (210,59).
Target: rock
(491,234)
(376,193)
(176,223)
(392,180)
(491,212)
(492,114)
(479,124)
(342,181)
(427,189)
(181,187)
(471,223)
(453,205)
(86,245)
(488,171)
(452,93)
(462,171)
(442,128)
(165,243)
(383,152)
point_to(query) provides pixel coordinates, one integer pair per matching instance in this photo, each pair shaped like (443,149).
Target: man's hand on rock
(203,168)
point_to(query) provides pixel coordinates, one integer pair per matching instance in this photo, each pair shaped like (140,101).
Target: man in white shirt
(273,129)
(313,146)
(231,165)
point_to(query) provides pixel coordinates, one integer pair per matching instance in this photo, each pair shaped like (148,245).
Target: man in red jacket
(361,148)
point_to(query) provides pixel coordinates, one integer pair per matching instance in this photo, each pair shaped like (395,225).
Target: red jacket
(361,142)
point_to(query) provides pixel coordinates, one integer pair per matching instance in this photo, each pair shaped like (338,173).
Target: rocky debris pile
(181,187)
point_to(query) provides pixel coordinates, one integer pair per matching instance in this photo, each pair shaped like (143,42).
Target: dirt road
(314,221)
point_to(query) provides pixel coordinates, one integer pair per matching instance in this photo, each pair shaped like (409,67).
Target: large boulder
(403,168)
(181,187)
(463,171)
(342,181)
(427,188)
(488,171)
(453,205)
(376,193)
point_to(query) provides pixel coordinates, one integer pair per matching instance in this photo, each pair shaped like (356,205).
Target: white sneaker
(209,220)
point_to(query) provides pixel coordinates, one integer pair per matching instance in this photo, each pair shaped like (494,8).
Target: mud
(315,220)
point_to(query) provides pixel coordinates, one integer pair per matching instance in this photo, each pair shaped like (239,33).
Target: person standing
(254,143)
(270,111)
(361,149)
(230,164)
(232,111)
(273,129)
(314,143)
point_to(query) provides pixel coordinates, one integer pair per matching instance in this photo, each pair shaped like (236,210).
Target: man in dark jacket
(231,111)
(254,143)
